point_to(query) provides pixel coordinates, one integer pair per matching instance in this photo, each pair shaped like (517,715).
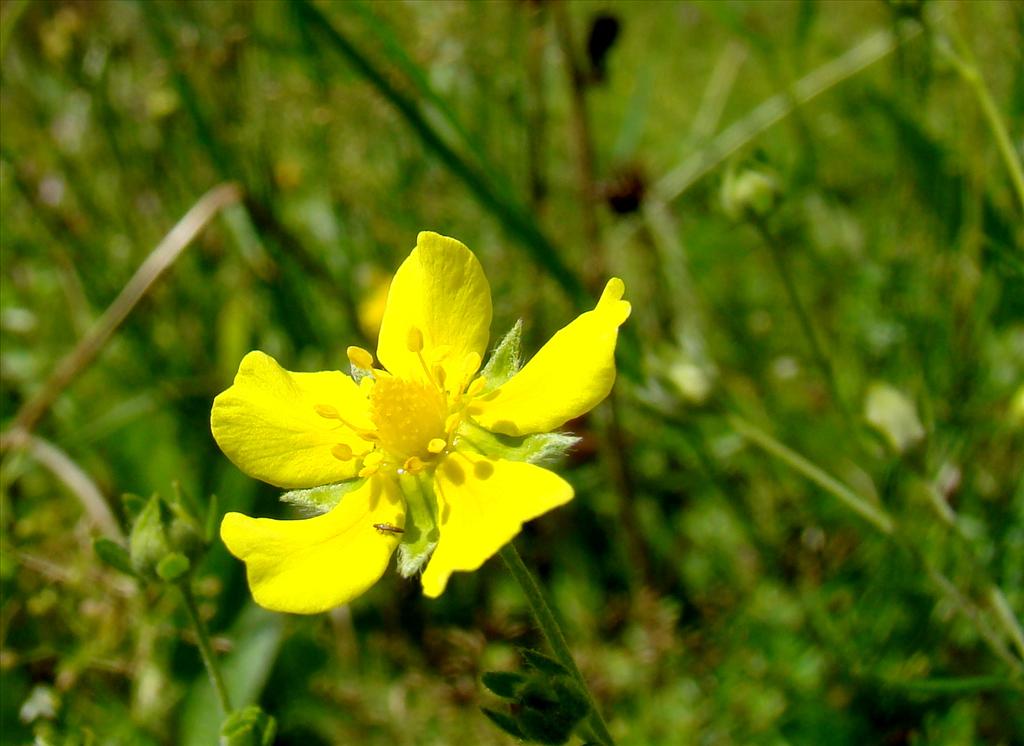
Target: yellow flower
(420,452)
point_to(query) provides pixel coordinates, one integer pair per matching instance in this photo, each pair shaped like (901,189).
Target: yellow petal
(482,505)
(441,292)
(570,375)
(271,423)
(311,565)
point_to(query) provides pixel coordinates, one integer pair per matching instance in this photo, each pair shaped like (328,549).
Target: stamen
(327,411)
(342,452)
(414,465)
(476,387)
(360,358)
(374,458)
(414,340)
(436,445)
(452,421)
(369,471)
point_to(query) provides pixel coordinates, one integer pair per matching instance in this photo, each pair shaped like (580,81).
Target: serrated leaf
(319,500)
(503,683)
(506,359)
(113,554)
(504,721)
(543,663)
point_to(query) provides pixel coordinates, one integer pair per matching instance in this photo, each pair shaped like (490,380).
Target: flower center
(408,416)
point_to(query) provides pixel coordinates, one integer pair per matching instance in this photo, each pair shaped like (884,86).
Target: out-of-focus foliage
(712,593)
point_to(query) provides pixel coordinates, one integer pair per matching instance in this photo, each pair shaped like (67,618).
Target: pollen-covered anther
(342,452)
(327,411)
(414,340)
(407,415)
(372,463)
(414,465)
(359,358)
(437,445)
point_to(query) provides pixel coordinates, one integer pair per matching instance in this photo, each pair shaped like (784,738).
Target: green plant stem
(205,648)
(553,634)
(873,515)
(881,520)
(963,62)
(821,360)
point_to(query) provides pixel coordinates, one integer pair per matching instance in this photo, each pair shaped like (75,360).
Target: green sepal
(506,722)
(503,683)
(249,726)
(421,532)
(114,555)
(133,505)
(173,567)
(542,449)
(148,544)
(506,360)
(319,500)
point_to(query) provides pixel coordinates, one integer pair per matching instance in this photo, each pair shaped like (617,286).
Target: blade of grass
(158,261)
(512,216)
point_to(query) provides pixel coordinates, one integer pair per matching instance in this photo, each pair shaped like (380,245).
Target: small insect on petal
(387,528)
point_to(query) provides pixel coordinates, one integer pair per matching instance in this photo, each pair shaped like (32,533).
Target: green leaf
(249,726)
(319,500)
(543,663)
(504,721)
(506,360)
(503,683)
(113,554)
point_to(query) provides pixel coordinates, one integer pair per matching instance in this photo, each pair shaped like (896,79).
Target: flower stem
(205,648)
(806,323)
(553,634)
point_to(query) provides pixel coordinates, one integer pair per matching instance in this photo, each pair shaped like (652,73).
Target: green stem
(963,62)
(205,648)
(806,323)
(873,515)
(881,520)
(553,634)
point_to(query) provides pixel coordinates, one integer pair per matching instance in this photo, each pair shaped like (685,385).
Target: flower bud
(890,412)
(749,192)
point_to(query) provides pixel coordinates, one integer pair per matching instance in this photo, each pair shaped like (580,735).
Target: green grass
(747,559)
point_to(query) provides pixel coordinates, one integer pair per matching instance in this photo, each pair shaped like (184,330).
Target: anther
(341,452)
(414,340)
(327,411)
(436,445)
(360,358)
(374,458)
(476,387)
(413,465)
(369,471)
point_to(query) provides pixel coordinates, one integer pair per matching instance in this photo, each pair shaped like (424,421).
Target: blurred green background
(724,158)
